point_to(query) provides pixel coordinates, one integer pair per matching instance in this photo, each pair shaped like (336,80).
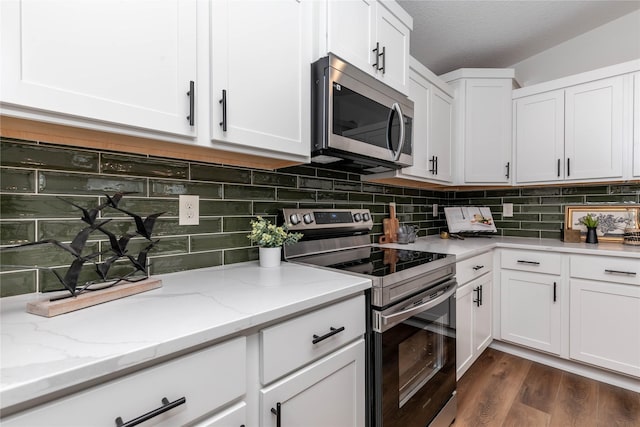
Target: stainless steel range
(411,337)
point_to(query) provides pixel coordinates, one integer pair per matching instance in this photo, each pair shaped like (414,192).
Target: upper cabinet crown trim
(576,79)
(397,10)
(479,73)
(419,68)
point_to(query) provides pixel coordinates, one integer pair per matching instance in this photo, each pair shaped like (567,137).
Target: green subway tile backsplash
(33,177)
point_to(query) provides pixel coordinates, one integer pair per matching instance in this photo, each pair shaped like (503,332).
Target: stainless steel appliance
(412,341)
(358,123)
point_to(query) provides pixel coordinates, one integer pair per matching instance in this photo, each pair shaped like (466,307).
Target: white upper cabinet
(260,76)
(594,129)
(578,128)
(539,134)
(440,136)
(114,63)
(482,125)
(636,125)
(371,35)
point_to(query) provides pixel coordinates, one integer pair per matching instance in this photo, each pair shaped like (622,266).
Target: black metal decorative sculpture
(117,246)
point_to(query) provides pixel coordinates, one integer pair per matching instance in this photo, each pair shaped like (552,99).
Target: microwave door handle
(396,107)
(388,321)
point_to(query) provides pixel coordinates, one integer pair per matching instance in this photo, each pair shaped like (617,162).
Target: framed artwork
(612,220)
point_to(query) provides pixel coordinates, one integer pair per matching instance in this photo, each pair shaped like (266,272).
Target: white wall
(612,43)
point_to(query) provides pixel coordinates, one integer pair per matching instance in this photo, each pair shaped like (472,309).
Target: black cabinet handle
(436,165)
(166,406)
(333,331)
(277,412)
(568,166)
(478,299)
(433,165)
(192,103)
(508,170)
(481,294)
(478,267)
(630,273)
(223,101)
(384,59)
(555,289)
(376,51)
(558,168)
(520,261)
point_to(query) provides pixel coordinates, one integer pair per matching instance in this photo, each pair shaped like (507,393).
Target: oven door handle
(389,321)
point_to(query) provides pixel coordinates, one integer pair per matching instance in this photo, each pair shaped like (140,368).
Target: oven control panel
(317,219)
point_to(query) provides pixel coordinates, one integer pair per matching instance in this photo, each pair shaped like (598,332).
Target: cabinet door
(420,92)
(440,134)
(482,319)
(261,53)
(487,131)
(236,416)
(540,137)
(636,125)
(594,129)
(605,325)
(530,310)
(329,392)
(393,37)
(350,32)
(464,329)
(125,63)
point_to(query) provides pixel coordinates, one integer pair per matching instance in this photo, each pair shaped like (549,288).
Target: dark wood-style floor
(505,390)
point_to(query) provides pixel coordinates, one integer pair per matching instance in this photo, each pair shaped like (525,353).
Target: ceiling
(452,34)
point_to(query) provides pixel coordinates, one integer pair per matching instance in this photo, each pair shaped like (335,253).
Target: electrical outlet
(189,210)
(435,210)
(507,210)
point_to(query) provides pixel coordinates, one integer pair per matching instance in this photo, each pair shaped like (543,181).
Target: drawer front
(606,269)
(290,345)
(534,261)
(206,380)
(473,267)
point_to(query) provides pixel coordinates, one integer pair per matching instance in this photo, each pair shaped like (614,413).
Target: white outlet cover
(507,210)
(189,210)
(435,210)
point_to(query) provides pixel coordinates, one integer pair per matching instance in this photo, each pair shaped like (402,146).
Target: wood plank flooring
(505,390)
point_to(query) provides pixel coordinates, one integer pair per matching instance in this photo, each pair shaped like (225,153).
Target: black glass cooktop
(374,261)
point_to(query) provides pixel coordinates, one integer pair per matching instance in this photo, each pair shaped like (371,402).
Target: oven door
(414,358)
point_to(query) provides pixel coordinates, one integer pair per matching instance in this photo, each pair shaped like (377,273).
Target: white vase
(270,257)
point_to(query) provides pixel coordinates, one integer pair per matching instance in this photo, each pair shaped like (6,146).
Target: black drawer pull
(478,267)
(520,261)
(277,412)
(192,106)
(629,273)
(166,406)
(317,339)
(555,291)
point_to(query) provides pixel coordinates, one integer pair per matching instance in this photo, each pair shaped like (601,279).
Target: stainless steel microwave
(359,124)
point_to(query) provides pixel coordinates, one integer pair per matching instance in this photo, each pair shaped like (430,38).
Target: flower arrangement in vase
(270,238)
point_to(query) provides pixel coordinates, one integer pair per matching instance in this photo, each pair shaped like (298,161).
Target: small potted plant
(591,222)
(270,239)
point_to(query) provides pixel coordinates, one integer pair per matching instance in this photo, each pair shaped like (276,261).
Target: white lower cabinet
(530,302)
(235,416)
(193,386)
(473,310)
(605,312)
(329,392)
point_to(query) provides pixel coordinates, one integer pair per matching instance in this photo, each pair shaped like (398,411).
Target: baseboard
(577,368)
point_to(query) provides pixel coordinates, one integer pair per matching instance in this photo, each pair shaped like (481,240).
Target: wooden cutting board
(390,226)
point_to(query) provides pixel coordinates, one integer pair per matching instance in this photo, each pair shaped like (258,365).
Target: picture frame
(612,220)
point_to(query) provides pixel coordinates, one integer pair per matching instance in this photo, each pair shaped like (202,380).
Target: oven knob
(295,219)
(365,217)
(357,217)
(307,218)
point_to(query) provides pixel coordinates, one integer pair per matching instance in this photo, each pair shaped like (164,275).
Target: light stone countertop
(40,356)
(471,246)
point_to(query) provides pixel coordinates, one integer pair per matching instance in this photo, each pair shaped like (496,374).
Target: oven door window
(418,367)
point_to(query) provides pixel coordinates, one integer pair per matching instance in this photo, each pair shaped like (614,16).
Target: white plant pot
(270,257)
